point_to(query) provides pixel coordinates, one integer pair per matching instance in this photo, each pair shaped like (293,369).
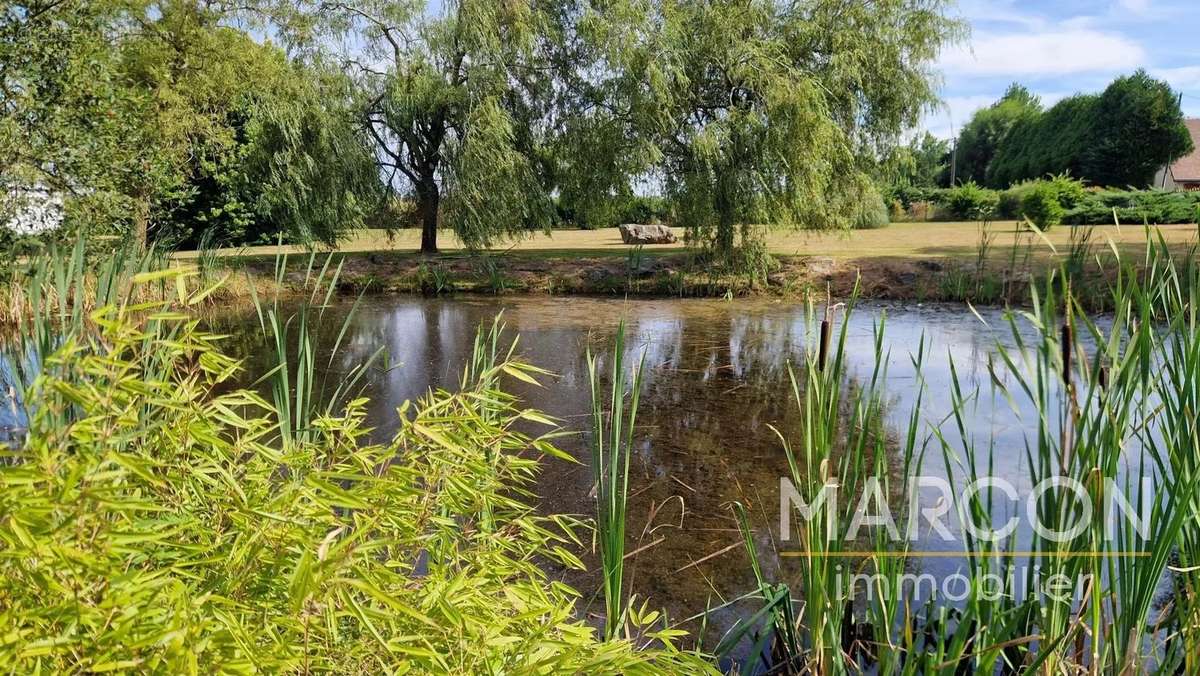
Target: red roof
(1187,168)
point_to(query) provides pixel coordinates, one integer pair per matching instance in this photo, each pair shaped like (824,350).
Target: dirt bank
(678,275)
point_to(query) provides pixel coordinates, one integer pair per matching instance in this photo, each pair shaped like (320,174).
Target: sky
(1061,47)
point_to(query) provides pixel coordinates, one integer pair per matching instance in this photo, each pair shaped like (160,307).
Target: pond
(716,382)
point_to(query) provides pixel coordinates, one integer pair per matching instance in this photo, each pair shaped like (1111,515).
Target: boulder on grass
(633,233)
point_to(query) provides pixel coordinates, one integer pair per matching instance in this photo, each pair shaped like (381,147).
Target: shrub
(908,195)
(872,212)
(1041,206)
(1134,206)
(168,528)
(644,209)
(1010,206)
(1068,192)
(969,202)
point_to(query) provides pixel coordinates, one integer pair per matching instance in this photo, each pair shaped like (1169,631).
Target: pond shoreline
(674,275)
(650,274)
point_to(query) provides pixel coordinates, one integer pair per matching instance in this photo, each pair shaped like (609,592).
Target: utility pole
(953,150)
(954,162)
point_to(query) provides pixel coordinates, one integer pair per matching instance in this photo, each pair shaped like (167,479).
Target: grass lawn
(900,240)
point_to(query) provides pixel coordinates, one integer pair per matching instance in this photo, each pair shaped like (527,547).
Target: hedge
(1135,206)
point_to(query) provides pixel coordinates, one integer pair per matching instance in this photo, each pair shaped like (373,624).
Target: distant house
(28,210)
(1184,173)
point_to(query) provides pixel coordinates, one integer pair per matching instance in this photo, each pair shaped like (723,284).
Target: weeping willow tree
(456,96)
(755,112)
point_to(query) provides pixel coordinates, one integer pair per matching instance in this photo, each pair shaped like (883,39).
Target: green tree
(1137,128)
(758,112)
(923,163)
(162,120)
(1049,143)
(1119,137)
(455,97)
(265,146)
(68,122)
(982,137)
(309,164)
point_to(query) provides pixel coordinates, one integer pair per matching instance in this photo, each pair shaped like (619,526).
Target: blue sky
(1060,47)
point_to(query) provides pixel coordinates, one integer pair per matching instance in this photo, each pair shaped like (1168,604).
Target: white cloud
(1047,53)
(1136,6)
(998,12)
(1185,78)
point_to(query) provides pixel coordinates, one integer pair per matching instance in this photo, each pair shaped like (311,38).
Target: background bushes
(642,209)
(1134,206)
(969,202)
(1042,207)
(1063,199)
(1045,202)
(908,195)
(872,211)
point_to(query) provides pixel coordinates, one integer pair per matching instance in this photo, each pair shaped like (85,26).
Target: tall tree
(266,146)
(982,137)
(1138,127)
(1119,137)
(308,164)
(455,98)
(1047,143)
(923,163)
(758,111)
(69,124)
(162,120)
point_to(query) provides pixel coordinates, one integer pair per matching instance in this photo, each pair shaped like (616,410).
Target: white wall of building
(31,210)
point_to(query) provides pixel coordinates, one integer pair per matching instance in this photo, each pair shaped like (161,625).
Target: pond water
(716,381)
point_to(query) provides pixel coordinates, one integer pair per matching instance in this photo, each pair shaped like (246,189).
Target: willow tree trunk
(430,199)
(724,244)
(141,221)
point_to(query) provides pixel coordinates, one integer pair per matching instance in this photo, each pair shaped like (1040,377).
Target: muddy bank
(662,275)
(678,275)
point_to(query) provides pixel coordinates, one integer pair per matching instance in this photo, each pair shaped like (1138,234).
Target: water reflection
(716,381)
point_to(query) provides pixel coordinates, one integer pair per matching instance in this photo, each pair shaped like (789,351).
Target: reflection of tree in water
(705,423)
(716,378)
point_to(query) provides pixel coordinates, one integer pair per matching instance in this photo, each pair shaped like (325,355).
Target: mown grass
(898,240)
(991,263)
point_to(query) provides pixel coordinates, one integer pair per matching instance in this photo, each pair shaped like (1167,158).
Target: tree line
(1117,138)
(178,120)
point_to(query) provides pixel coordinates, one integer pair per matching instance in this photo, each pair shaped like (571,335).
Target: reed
(301,368)
(613,416)
(52,299)
(1115,406)
(840,451)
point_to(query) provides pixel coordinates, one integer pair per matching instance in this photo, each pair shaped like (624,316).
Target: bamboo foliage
(166,529)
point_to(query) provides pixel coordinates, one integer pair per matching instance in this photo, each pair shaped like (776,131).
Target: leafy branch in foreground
(170,526)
